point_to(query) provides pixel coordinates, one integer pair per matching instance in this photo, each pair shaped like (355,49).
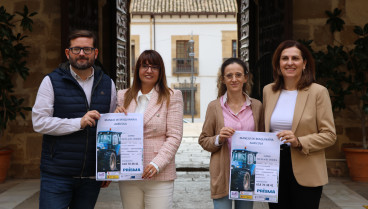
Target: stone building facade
(45,54)
(309,23)
(170,29)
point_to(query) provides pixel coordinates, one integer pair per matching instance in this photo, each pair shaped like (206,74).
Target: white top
(282,116)
(142,102)
(43,109)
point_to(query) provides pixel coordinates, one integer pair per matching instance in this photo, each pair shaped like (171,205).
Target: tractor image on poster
(243,170)
(108,151)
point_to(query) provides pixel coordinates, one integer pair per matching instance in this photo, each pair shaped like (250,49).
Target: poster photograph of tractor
(254,166)
(243,167)
(108,151)
(119,147)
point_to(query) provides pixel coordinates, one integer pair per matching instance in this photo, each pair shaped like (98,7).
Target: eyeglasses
(154,68)
(86,50)
(230,75)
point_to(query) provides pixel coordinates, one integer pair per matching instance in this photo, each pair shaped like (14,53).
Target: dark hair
(308,74)
(82,33)
(151,57)
(220,77)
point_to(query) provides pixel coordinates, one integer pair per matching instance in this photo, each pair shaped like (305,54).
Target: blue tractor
(243,170)
(108,150)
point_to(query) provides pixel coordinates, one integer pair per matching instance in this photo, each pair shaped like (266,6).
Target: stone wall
(44,55)
(310,24)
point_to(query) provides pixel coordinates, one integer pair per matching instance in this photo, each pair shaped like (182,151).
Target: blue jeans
(58,192)
(226,203)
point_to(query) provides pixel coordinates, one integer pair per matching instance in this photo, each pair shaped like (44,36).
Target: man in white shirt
(68,105)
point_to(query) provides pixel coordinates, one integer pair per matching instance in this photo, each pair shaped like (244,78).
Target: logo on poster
(131,169)
(234,194)
(101,175)
(268,191)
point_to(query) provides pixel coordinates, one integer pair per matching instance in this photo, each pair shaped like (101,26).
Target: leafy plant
(12,62)
(344,70)
(336,23)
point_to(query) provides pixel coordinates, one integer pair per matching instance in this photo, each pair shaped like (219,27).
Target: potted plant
(12,63)
(344,71)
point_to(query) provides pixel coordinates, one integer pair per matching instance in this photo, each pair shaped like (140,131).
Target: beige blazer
(220,155)
(163,131)
(313,124)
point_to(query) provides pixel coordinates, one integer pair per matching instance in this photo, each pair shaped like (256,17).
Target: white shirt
(142,102)
(282,116)
(43,109)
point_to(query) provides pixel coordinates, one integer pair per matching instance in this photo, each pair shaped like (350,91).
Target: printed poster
(119,147)
(254,171)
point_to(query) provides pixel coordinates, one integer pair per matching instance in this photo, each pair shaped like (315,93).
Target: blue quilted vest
(74,154)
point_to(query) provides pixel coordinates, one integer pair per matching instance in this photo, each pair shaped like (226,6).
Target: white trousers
(147,194)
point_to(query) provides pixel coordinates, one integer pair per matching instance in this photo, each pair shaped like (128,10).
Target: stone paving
(191,155)
(192,189)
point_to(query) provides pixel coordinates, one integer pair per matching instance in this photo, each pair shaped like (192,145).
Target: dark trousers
(291,194)
(58,192)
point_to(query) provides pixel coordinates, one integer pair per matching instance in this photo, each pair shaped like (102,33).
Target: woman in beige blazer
(163,129)
(299,110)
(233,111)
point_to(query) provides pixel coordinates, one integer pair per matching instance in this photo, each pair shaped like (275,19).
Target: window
(229,44)
(132,52)
(115,139)
(233,48)
(250,159)
(187,98)
(104,137)
(183,61)
(186,90)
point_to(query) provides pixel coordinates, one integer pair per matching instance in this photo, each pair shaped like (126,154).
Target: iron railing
(184,66)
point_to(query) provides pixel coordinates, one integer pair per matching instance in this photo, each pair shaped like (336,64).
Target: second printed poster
(254,166)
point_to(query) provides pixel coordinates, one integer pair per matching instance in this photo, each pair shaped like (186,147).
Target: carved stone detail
(122,57)
(244,31)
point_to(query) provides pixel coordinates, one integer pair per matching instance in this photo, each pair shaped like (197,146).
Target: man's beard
(74,63)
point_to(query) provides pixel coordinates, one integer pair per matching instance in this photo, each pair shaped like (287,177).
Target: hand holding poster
(119,150)
(254,166)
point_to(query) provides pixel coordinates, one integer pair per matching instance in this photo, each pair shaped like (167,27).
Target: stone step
(191,155)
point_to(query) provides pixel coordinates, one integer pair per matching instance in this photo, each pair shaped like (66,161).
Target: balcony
(184,66)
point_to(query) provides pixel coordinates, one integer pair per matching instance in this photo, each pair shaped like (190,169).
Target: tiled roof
(183,6)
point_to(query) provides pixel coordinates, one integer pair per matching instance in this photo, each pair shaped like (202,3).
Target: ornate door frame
(122,44)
